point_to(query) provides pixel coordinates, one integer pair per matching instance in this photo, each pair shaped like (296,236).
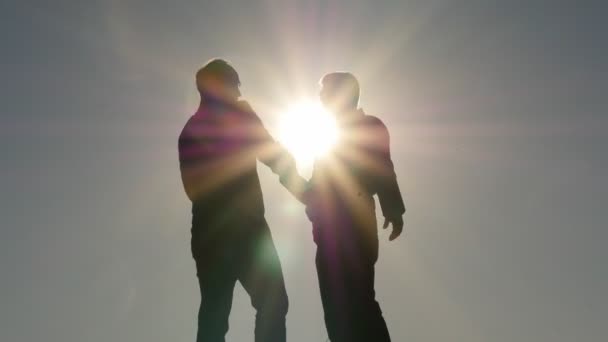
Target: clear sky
(498,113)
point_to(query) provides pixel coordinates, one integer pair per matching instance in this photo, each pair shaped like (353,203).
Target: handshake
(309,195)
(231,240)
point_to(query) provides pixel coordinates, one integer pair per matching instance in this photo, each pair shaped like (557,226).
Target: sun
(307,130)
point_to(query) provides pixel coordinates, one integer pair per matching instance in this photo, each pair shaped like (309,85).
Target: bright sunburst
(307,130)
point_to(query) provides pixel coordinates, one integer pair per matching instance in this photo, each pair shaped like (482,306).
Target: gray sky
(498,116)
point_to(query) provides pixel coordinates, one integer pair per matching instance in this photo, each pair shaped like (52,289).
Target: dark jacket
(346,179)
(218,149)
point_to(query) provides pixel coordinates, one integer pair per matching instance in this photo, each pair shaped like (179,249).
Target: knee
(274,306)
(366,307)
(283,306)
(214,312)
(212,324)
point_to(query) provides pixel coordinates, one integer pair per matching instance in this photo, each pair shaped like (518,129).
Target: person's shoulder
(191,126)
(244,106)
(374,128)
(245,110)
(373,122)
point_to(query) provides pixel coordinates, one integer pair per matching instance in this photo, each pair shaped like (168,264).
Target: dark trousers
(345,260)
(239,251)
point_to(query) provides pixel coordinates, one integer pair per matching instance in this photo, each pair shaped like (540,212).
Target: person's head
(339,92)
(218,81)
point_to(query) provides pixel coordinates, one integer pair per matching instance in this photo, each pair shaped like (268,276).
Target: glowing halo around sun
(308,131)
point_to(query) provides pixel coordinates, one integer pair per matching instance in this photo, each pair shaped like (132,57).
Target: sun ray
(307,131)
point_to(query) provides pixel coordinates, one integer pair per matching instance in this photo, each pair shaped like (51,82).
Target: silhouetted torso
(219,146)
(359,167)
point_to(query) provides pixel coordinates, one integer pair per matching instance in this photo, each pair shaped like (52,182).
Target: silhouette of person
(231,241)
(341,206)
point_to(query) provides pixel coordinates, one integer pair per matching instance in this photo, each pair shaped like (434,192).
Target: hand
(397,223)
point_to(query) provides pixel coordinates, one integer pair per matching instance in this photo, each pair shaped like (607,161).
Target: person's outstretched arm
(275,156)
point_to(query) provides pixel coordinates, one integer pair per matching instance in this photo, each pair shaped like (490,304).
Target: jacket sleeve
(389,195)
(276,157)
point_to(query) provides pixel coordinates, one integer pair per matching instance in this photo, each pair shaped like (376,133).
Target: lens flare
(308,131)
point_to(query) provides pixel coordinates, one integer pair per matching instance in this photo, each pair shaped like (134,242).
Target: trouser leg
(262,278)
(365,313)
(346,282)
(333,298)
(216,258)
(216,301)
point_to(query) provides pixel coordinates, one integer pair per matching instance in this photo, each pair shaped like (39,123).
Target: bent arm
(388,190)
(276,157)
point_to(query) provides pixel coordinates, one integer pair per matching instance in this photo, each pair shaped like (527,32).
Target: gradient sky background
(498,112)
